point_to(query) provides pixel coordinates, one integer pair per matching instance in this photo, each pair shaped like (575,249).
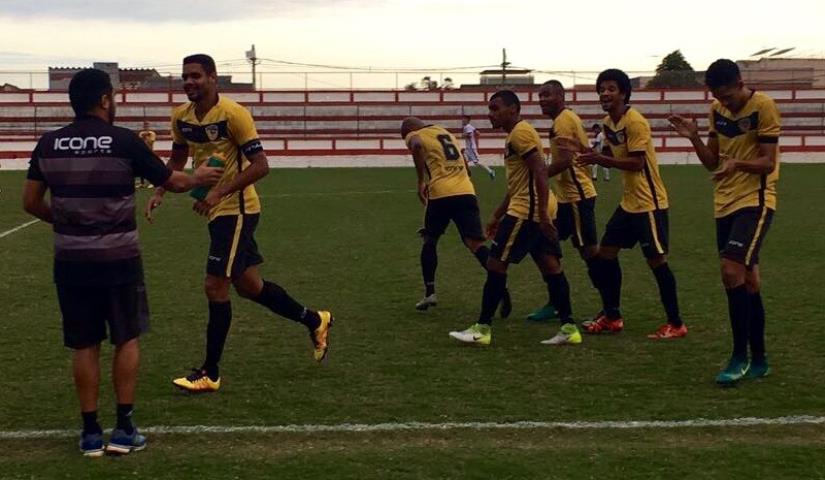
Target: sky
(397,34)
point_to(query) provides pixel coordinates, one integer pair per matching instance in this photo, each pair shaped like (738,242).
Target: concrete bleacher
(359,123)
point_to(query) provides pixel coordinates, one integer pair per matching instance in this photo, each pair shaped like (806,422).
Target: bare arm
(176,163)
(764,164)
(708,154)
(34,200)
(420,168)
(535,162)
(560,163)
(258,169)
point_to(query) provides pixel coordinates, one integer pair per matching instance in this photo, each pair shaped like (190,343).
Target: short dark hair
(721,73)
(555,84)
(202,59)
(86,89)
(596,126)
(618,76)
(509,98)
(467,117)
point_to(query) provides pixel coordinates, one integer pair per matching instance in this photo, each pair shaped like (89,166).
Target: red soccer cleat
(602,324)
(668,331)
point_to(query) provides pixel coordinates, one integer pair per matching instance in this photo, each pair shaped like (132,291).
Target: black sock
(756,329)
(493,291)
(610,279)
(739,310)
(275,298)
(124,417)
(481,255)
(593,272)
(429,263)
(90,424)
(220,318)
(667,292)
(560,293)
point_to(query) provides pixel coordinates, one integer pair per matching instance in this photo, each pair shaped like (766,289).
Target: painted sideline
(19,227)
(423,426)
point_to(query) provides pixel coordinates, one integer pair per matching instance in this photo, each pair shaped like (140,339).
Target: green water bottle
(199,193)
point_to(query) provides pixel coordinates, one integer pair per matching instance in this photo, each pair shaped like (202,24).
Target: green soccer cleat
(736,370)
(568,335)
(758,369)
(543,314)
(477,334)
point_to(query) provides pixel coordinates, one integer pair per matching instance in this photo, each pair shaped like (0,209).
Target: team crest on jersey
(744,124)
(212,132)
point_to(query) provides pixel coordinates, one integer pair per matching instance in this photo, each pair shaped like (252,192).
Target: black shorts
(648,229)
(460,209)
(516,238)
(577,221)
(739,235)
(232,247)
(87,310)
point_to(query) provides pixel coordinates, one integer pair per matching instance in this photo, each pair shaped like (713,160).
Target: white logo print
(84,144)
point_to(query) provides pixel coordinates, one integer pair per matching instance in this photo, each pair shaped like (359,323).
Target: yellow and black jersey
(149,137)
(446,170)
(739,135)
(575,183)
(521,186)
(643,191)
(228,132)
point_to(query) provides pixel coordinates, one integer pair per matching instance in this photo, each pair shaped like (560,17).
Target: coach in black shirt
(89,167)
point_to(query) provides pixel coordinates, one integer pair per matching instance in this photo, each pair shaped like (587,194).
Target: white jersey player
(598,144)
(471,146)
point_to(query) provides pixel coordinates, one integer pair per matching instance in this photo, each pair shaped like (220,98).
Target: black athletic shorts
(460,209)
(577,221)
(739,235)
(516,238)
(232,247)
(648,229)
(87,310)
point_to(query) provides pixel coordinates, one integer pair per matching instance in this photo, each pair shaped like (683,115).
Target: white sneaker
(477,334)
(568,335)
(427,302)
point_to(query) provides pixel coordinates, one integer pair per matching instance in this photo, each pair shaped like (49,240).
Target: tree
(674,72)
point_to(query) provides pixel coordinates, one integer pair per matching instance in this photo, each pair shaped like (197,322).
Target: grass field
(345,239)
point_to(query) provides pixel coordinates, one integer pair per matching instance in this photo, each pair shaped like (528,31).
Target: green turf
(333,244)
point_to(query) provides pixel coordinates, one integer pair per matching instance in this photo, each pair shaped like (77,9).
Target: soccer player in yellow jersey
(148,136)
(445,189)
(522,224)
(213,127)
(572,183)
(642,214)
(743,153)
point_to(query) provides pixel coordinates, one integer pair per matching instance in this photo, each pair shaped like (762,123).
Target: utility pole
(504,64)
(253,59)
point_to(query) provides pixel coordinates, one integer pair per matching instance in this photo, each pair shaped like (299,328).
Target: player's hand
(727,169)
(590,158)
(683,126)
(492,228)
(423,193)
(571,145)
(200,208)
(208,176)
(547,229)
(154,202)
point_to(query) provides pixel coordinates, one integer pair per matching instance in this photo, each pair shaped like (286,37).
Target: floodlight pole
(253,59)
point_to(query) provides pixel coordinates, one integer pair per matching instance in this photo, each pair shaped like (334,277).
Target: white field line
(335,194)
(19,227)
(422,426)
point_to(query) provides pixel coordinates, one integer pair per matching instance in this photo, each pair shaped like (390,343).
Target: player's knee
(216,289)
(550,266)
(733,274)
(589,252)
(473,244)
(753,282)
(657,261)
(496,266)
(608,253)
(429,240)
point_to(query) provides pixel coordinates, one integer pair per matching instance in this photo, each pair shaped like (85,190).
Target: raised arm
(708,154)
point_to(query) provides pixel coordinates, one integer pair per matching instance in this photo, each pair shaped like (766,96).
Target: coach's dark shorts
(460,209)
(232,247)
(648,229)
(516,238)
(577,221)
(87,310)
(739,235)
